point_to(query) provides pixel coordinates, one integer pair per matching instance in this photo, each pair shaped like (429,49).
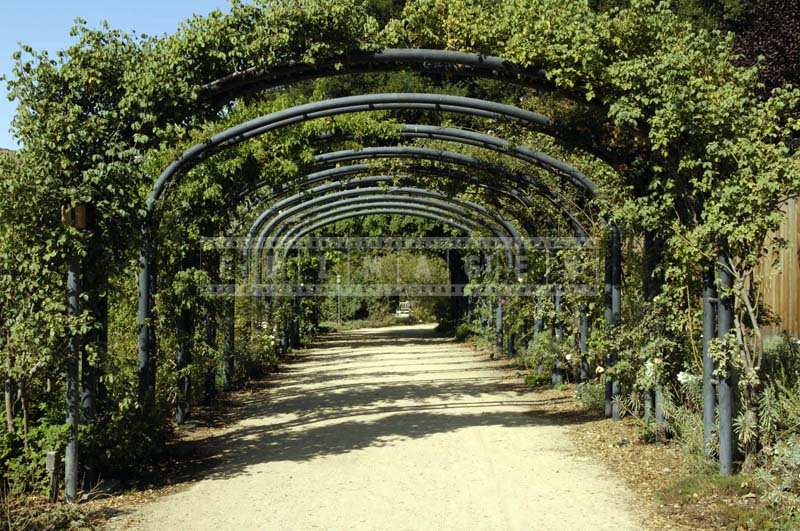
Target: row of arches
(332,193)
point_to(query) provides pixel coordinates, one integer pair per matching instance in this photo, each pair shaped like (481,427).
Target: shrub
(463,331)
(591,395)
(780,477)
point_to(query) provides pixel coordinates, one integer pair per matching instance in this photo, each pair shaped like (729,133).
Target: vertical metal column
(96,285)
(229,314)
(75,217)
(183,358)
(725,388)
(583,342)
(616,304)
(210,376)
(72,398)
(211,264)
(498,326)
(608,318)
(144,321)
(709,332)
(558,371)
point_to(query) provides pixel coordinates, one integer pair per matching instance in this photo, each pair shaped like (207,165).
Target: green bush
(591,395)
(463,331)
(781,473)
(537,379)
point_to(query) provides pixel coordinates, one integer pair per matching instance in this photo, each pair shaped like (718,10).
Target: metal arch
(354,169)
(420,196)
(408,210)
(362,168)
(472,138)
(252,80)
(333,216)
(498,145)
(452,157)
(295,115)
(386,206)
(369,102)
(433,155)
(275,214)
(424,60)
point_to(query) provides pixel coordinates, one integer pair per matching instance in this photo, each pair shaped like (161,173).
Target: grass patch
(730,502)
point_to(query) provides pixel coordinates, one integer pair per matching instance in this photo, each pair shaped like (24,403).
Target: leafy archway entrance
(656,112)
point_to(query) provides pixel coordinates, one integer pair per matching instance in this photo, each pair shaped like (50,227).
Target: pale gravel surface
(394,428)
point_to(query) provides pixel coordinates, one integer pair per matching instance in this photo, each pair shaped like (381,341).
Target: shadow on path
(304,413)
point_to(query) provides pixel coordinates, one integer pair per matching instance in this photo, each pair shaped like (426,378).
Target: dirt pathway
(394,428)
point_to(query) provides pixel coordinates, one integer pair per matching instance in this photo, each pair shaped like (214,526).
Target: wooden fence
(782,281)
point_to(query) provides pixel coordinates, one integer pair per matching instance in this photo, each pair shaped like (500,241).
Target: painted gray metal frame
(464,64)
(471,65)
(452,157)
(327,218)
(295,115)
(417,154)
(276,214)
(362,103)
(284,235)
(481,140)
(351,170)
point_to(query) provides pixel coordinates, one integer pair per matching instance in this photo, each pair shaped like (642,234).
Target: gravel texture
(394,428)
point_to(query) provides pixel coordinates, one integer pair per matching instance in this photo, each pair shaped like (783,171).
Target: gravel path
(394,428)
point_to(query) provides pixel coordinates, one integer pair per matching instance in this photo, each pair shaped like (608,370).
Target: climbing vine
(678,138)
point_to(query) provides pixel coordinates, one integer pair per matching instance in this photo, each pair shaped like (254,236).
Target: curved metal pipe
(425,154)
(504,232)
(252,80)
(453,157)
(370,102)
(333,216)
(363,194)
(425,60)
(269,222)
(295,115)
(349,170)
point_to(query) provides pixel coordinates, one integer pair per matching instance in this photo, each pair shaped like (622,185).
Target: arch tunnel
(349,183)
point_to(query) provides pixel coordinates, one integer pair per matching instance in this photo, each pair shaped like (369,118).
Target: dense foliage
(683,142)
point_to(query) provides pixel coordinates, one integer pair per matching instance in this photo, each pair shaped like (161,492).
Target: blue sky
(45,24)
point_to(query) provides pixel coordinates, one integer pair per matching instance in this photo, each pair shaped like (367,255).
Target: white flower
(569,357)
(599,370)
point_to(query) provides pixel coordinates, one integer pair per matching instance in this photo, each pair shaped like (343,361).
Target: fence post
(709,331)
(74,217)
(558,372)
(724,386)
(53,465)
